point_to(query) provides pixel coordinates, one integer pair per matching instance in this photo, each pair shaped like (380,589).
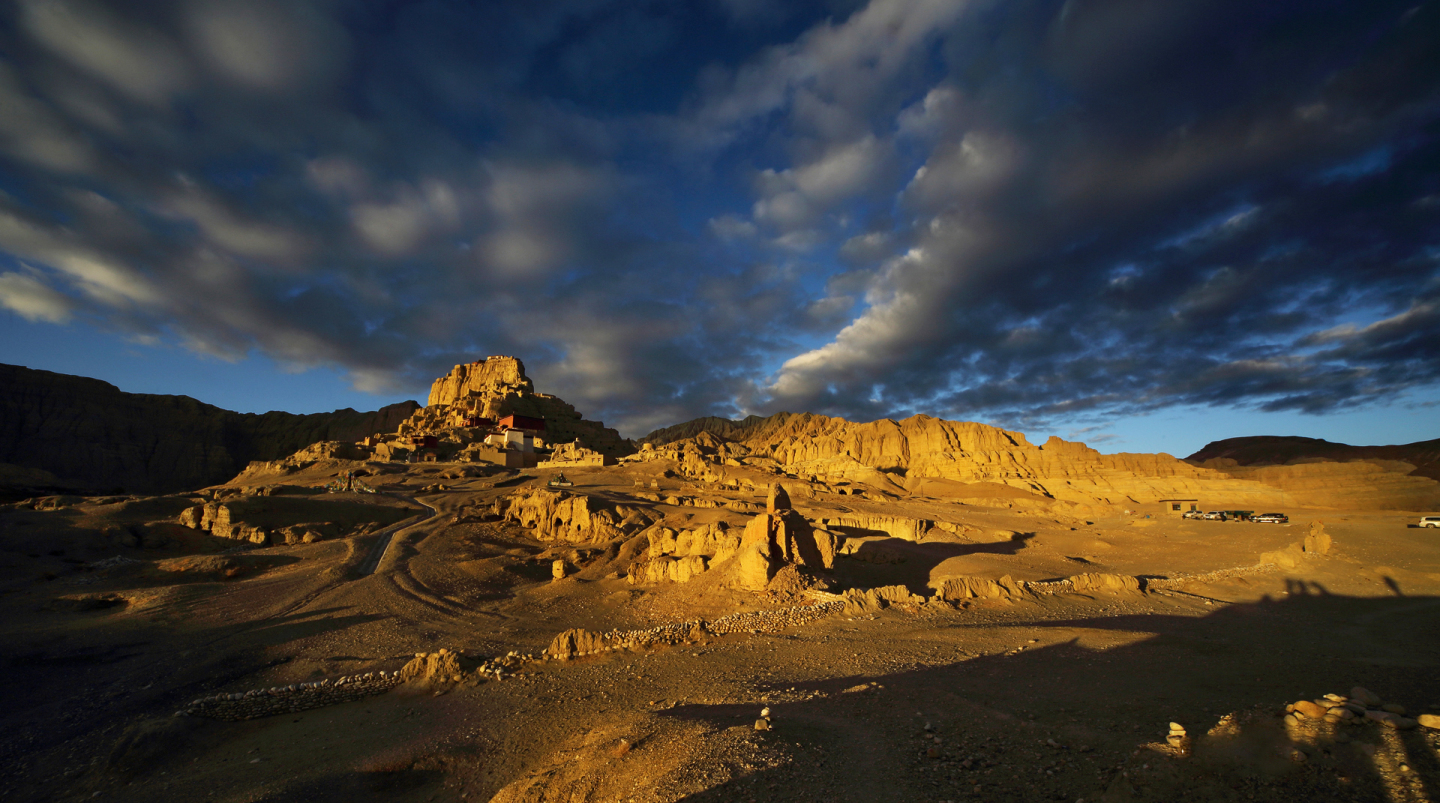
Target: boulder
(777,500)
(192,517)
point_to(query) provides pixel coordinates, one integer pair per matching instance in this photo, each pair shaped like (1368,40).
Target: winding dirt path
(382,544)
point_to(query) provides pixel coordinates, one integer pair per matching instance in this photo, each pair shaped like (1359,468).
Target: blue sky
(1141,225)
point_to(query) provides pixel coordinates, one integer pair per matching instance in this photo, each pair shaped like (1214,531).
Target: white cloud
(338,176)
(32,300)
(98,277)
(843,171)
(848,65)
(135,59)
(539,214)
(964,171)
(268,46)
(29,130)
(731,228)
(400,226)
(235,234)
(939,113)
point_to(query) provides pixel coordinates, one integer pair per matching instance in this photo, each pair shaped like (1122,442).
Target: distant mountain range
(92,436)
(1281,450)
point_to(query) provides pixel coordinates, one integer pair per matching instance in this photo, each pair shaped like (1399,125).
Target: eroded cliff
(94,435)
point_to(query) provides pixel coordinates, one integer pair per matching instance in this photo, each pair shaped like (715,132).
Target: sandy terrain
(1054,696)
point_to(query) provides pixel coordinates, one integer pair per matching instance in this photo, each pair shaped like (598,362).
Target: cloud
(32,300)
(35,134)
(398,226)
(269,46)
(135,58)
(1033,213)
(230,231)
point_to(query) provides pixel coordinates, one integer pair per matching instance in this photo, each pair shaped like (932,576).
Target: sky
(1142,225)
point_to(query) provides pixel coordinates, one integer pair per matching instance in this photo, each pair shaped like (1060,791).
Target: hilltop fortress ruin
(487,411)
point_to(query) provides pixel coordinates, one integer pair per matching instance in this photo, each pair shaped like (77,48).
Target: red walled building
(522,422)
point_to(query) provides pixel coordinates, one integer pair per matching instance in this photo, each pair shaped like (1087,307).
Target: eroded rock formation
(776,538)
(885,453)
(496,387)
(560,516)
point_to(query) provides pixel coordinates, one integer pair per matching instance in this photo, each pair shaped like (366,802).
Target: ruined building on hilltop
(488,411)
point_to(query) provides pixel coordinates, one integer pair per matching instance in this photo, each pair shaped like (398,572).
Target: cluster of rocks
(776,619)
(442,666)
(576,642)
(258,703)
(1360,707)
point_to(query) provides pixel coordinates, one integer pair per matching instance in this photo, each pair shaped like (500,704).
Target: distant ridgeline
(922,454)
(1271,450)
(91,436)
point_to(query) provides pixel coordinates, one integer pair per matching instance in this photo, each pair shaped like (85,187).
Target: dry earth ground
(1060,697)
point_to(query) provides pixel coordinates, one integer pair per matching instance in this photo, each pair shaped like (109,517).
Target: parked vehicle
(1214,515)
(1272,518)
(1430,521)
(1192,514)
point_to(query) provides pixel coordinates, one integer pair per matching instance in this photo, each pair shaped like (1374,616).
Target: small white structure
(512,439)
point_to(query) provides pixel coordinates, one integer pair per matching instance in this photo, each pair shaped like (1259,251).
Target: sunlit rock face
(889,454)
(496,387)
(490,377)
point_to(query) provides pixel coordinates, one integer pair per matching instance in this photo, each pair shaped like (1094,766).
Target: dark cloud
(1024,212)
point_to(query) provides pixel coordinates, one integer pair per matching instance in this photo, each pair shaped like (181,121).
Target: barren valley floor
(1052,695)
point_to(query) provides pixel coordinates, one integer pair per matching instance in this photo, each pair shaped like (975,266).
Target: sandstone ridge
(921,448)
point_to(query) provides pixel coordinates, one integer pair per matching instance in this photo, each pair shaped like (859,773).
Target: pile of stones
(774,620)
(269,702)
(1361,706)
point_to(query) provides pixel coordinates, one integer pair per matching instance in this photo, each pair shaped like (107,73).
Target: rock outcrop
(91,434)
(496,387)
(776,538)
(436,667)
(1105,584)
(561,516)
(864,601)
(922,447)
(679,556)
(960,589)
